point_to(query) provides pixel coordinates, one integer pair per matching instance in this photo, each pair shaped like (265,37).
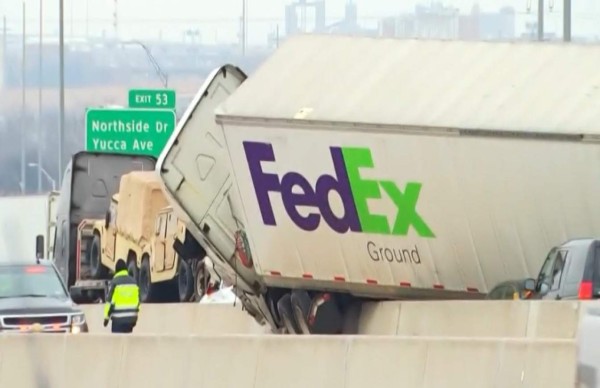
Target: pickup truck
(570,271)
(588,351)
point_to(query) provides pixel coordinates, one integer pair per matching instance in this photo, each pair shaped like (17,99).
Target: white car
(588,352)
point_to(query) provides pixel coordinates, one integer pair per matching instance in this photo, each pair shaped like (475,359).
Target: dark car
(513,289)
(33,298)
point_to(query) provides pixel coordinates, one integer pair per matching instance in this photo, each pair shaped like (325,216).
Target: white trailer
(351,169)
(22,219)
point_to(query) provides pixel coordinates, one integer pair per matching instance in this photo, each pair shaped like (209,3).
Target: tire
(274,312)
(272,296)
(166,292)
(185,281)
(300,302)
(133,270)
(200,280)
(284,307)
(328,320)
(147,289)
(97,269)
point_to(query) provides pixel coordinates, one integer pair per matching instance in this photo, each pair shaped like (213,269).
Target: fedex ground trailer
(351,169)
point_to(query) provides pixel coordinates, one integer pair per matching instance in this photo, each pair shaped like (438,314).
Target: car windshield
(546,273)
(33,281)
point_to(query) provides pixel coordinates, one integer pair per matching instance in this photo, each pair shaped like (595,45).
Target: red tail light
(586,290)
(242,249)
(35,269)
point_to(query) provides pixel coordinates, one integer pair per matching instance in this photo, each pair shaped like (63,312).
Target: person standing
(123,301)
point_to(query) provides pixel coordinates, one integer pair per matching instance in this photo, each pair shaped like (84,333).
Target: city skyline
(218,22)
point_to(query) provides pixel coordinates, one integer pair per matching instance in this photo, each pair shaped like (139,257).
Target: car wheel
(146,287)
(98,270)
(185,281)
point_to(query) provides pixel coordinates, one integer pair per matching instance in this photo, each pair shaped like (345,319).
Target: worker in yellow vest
(123,301)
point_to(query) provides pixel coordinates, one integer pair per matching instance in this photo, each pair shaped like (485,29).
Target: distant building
(441,22)
(488,25)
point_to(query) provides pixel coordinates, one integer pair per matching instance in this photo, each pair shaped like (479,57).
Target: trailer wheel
(147,289)
(133,270)
(301,302)
(98,270)
(185,281)
(284,307)
(327,317)
(201,279)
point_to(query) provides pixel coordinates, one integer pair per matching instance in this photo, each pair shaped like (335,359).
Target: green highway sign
(152,98)
(128,131)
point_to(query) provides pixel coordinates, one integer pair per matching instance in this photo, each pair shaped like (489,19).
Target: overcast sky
(218,19)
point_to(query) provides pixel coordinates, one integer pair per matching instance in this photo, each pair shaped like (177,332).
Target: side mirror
(530,284)
(107,219)
(39,247)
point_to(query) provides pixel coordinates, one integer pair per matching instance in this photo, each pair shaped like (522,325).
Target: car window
(34,280)
(547,269)
(558,268)
(113,214)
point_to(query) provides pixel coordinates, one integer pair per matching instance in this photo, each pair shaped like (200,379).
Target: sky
(218,20)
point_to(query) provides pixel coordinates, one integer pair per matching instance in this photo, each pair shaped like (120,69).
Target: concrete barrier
(100,361)
(183,318)
(531,319)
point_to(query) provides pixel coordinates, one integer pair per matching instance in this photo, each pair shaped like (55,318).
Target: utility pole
(116,18)
(40,141)
(61,65)
(87,19)
(540,20)
(4,47)
(567,20)
(23,103)
(71,17)
(244,27)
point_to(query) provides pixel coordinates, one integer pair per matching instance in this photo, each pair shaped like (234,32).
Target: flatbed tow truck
(89,182)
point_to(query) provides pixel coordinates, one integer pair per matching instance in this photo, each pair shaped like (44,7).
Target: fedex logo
(346,181)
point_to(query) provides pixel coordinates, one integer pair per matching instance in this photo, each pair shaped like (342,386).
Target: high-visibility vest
(123,297)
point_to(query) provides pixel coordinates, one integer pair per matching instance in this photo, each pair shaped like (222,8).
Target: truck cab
(204,200)
(197,176)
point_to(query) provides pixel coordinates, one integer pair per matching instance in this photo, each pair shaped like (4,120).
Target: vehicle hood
(29,305)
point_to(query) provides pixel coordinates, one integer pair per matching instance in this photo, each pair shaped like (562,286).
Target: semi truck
(142,229)
(89,182)
(319,183)
(22,219)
